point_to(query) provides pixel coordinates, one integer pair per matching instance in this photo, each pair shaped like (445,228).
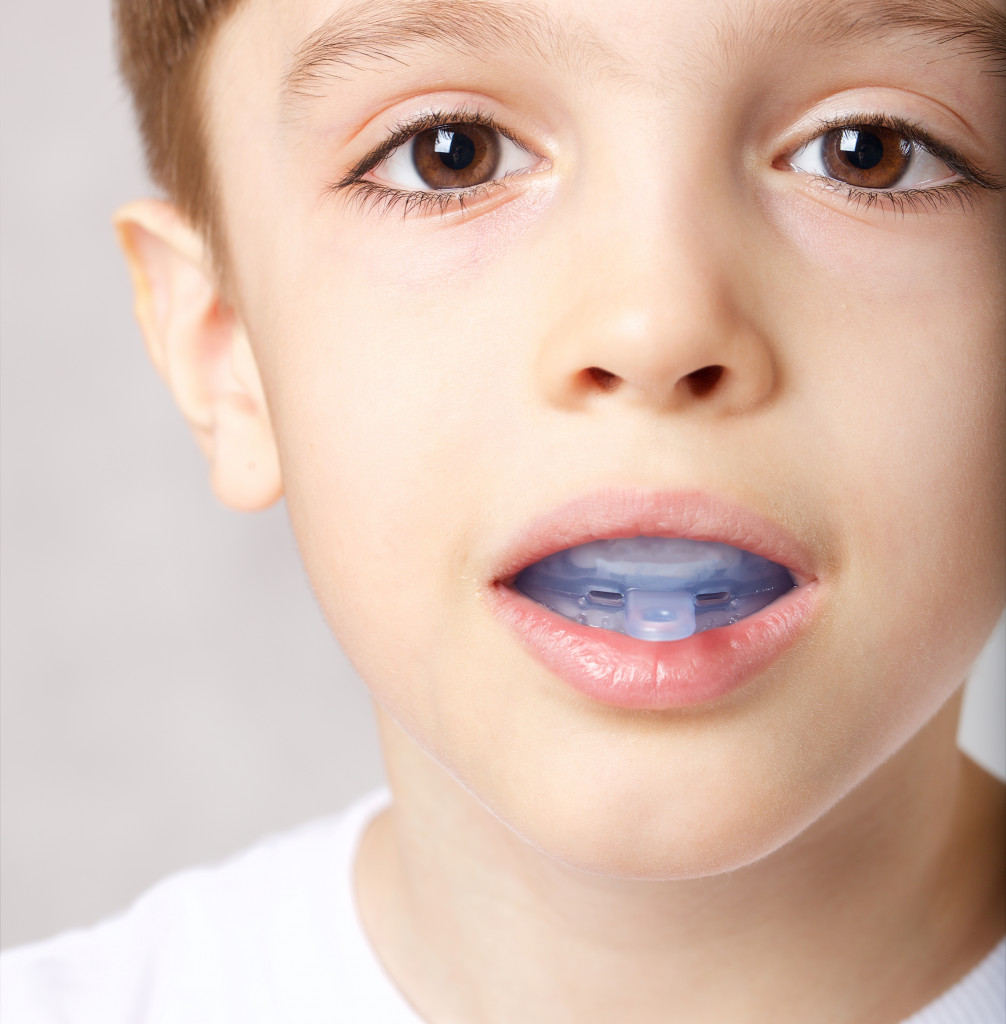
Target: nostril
(604,379)
(701,382)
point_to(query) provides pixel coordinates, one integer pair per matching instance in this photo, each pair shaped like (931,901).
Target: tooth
(648,586)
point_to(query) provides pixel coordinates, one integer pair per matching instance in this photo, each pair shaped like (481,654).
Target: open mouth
(588,587)
(654,588)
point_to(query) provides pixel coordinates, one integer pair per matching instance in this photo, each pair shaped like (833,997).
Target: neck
(476,925)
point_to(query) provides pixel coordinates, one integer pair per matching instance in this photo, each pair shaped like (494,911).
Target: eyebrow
(373,31)
(970,27)
(367,32)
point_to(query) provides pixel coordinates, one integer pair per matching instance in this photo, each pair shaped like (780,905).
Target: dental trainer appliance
(654,588)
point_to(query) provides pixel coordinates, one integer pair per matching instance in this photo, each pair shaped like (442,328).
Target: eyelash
(933,199)
(371,195)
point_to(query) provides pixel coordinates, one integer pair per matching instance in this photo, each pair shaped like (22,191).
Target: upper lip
(612,513)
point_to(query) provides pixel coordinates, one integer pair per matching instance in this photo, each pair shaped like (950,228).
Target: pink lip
(621,671)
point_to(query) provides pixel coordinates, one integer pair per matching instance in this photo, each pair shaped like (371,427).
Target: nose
(659,319)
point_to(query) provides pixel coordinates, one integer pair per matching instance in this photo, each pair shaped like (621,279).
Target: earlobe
(201,349)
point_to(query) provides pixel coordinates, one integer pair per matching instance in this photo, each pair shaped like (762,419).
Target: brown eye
(456,156)
(866,156)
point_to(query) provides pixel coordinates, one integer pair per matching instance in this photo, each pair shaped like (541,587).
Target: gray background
(169,689)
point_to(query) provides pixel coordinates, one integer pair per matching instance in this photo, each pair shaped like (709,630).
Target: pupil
(861,149)
(456,151)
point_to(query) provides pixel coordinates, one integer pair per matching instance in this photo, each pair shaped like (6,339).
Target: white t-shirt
(272,936)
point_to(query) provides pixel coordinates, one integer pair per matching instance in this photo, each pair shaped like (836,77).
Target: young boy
(633,373)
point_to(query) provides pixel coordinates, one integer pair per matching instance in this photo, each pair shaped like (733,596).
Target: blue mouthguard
(654,588)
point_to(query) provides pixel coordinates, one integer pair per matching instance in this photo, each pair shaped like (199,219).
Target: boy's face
(439,378)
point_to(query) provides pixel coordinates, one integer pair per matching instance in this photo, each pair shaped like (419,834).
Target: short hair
(162,47)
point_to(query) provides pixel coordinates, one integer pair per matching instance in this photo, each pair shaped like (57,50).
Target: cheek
(399,344)
(385,396)
(901,365)
(905,392)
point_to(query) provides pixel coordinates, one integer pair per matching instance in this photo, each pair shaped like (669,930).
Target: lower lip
(621,671)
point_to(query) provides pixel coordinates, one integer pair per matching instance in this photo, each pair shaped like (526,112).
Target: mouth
(655,600)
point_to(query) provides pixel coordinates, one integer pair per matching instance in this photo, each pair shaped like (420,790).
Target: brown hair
(162,45)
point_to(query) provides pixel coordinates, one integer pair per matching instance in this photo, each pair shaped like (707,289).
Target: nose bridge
(660,289)
(654,308)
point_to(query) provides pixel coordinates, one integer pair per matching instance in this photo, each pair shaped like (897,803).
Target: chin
(674,847)
(657,822)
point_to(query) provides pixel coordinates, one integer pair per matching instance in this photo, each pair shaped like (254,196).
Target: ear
(201,349)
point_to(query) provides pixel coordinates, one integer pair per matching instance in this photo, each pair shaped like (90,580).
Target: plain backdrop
(169,689)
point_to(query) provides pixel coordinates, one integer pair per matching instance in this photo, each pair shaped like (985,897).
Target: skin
(752,860)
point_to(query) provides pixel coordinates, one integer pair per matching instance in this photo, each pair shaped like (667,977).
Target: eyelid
(912,131)
(405,131)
